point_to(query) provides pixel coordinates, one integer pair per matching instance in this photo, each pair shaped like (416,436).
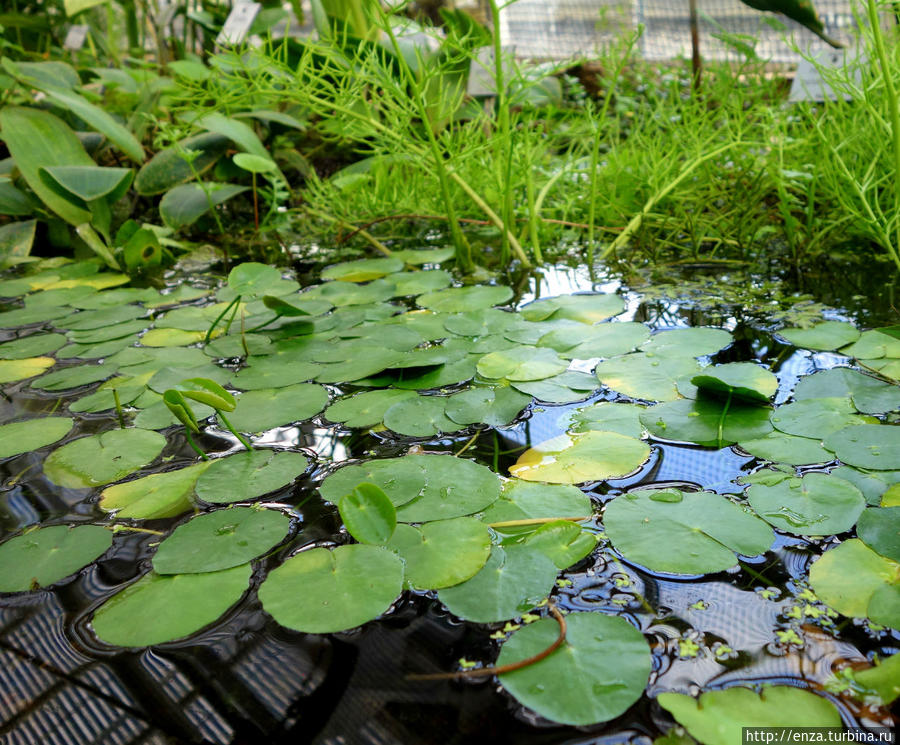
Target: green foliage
(42,557)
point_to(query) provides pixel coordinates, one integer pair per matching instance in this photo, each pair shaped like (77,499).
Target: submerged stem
(233,431)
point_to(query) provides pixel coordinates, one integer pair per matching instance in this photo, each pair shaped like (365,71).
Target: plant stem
(190,440)
(233,431)
(219,318)
(720,427)
(537,521)
(119,414)
(368,236)
(255,205)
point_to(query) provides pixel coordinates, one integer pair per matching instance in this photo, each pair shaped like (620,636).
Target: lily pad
(273,372)
(781,448)
(603,340)
(32,434)
(817,417)
(718,717)
(524,500)
(817,504)
(869,395)
(31,346)
(873,446)
(73,377)
(422,416)
(368,514)
(363,270)
(220,540)
(21,369)
(479,323)
(856,581)
(564,388)
(823,336)
(459,299)
(604,661)
(562,541)
(707,421)
(494,406)
(275,407)
(248,475)
(690,342)
(581,457)
(584,308)
(883,679)
(873,484)
(442,553)
(96,460)
(322,591)
(745,380)
(645,376)
(873,345)
(165,494)
(42,557)
(879,529)
(605,416)
(416,283)
(401,479)
(367,409)
(453,487)
(521,363)
(141,614)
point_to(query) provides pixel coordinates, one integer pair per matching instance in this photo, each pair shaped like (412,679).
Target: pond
(703,501)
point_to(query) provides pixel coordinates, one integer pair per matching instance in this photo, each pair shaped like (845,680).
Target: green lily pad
(581,457)
(879,529)
(856,581)
(401,479)
(883,679)
(108,333)
(781,448)
(823,336)
(603,340)
(874,446)
(273,371)
(873,484)
(604,661)
(817,417)
(460,299)
(369,360)
(248,475)
(817,504)
(561,541)
(417,257)
(690,342)
(165,494)
(454,487)
(521,363)
(96,460)
(31,434)
(275,407)
(20,369)
(707,529)
(73,377)
(564,388)
(42,557)
(494,406)
(584,308)
(525,500)
(717,717)
(220,540)
(745,380)
(422,416)
(322,591)
(605,416)
(368,514)
(340,294)
(513,581)
(31,346)
(873,345)
(365,410)
(479,323)
(869,395)
(363,270)
(442,553)
(707,421)
(646,376)
(141,614)
(416,283)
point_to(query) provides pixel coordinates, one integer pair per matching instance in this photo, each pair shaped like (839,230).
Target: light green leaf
(31,346)
(32,434)
(745,380)
(254,163)
(275,407)
(363,270)
(645,376)
(524,500)
(16,240)
(364,410)
(817,417)
(605,416)
(781,448)
(368,514)
(459,299)
(584,308)
(869,395)
(603,340)
(453,487)
(690,342)
(168,168)
(493,406)
(184,205)
(166,494)
(74,7)
(521,363)
(874,446)
(401,479)
(248,475)
(422,416)
(561,541)
(823,336)
(707,421)
(879,529)
(581,457)
(13,370)
(96,460)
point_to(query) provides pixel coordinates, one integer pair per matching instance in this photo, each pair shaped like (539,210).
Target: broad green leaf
(442,553)
(88,183)
(453,487)
(494,406)
(422,416)
(401,479)
(340,588)
(248,475)
(689,342)
(368,514)
(874,446)
(707,421)
(207,392)
(184,205)
(564,388)
(220,540)
(96,460)
(141,614)
(781,448)
(745,380)
(873,345)
(480,323)
(817,417)
(717,717)
(817,504)
(364,410)
(178,405)
(88,320)
(823,336)
(363,270)
(31,434)
(879,529)
(13,370)
(871,483)
(165,494)
(31,346)
(883,679)
(521,363)
(417,257)
(584,308)
(72,377)
(238,132)
(561,541)
(254,163)
(459,299)
(524,500)
(419,282)
(168,168)
(869,395)
(605,416)
(42,557)
(251,279)
(275,407)
(16,240)
(340,294)
(645,376)
(74,7)
(581,457)
(703,530)
(604,661)
(603,340)
(47,73)
(14,201)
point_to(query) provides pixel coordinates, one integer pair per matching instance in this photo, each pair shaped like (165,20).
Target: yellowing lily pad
(581,457)
(13,370)
(96,460)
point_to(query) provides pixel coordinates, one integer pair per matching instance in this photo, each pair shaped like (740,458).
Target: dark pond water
(249,680)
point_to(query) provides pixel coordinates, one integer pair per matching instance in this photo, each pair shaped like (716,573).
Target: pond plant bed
(388,508)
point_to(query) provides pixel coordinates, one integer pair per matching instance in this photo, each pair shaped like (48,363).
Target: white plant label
(809,83)
(76,37)
(238,23)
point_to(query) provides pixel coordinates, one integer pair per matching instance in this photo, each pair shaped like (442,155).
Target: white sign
(76,37)
(482,80)
(238,23)
(809,85)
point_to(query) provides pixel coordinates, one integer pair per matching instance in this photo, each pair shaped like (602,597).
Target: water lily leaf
(873,345)
(273,371)
(873,484)
(370,360)
(603,340)
(453,487)
(521,363)
(879,529)
(422,416)
(251,279)
(817,504)
(34,345)
(707,421)
(581,457)
(561,541)
(823,336)
(168,168)
(368,514)
(874,446)
(869,395)
(340,294)
(512,582)
(73,377)
(817,417)
(323,591)
(856,581)
(494,406)
(275,407)
(781,448)
(32,434)
(248,475)
(442,553)
(419,282)
(690,342)
(165,494)
(883,679)
(417,257)
(363,270)
(96,460)
(717,717)
(401,479)
(605,416)
(42,557)
(745,380)
(171,338)
(605,662)
(565,388)
(524,500)
(108,333)
(184,205)
(141,614)
(460,299)
(646,376)
(478,323)
(582,307)
(365,410)
(95,319)
(25,316)
(220,540)
(707,528)
(21,369)
(441,376)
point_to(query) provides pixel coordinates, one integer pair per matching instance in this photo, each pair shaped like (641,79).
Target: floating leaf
(817,417)
(363,270)
(521,363)
(248,475)
(856,581)
(275,407)
(28,367)
(141,614)
(873,484)
(368,514)
(605,416)
(442,553)
(251,279)
(781,448)
(690,342)
(883,679)
(365,410)
(480,323)
(707,421)
(42,557)
(745,380)
(422,416)
(646,376)
(31,346)
(874,446)
(879,529)
(583,307)
(581,457)
(869,395)
(220,540)
(165,494)
(561,541)
(559,389)
(605,663)
(707,529)
(823,336)
(603,340)
(417,257)
(460,299)
(322,591)
(493,406)
(401,479)
(416,283)
(32,434)
(524,500)
(96,460)
(273,371)
(453,487)
(817,504)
